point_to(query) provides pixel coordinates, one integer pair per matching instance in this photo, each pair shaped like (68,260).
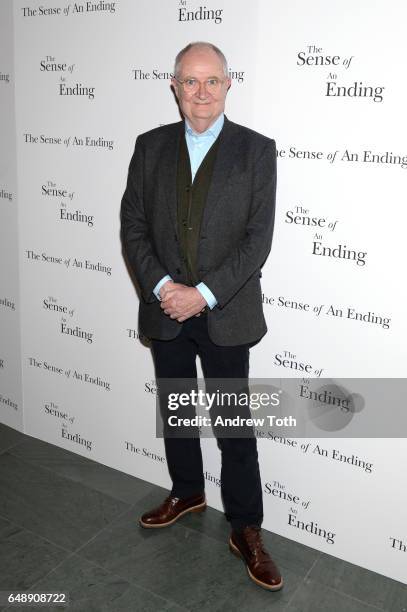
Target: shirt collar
(212,130)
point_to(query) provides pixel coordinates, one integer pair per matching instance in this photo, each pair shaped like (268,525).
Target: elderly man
(197,221)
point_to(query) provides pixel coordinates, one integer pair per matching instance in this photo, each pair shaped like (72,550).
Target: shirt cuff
(160,283)
(207,294)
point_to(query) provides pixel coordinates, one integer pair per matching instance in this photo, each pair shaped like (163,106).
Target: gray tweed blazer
(235,236)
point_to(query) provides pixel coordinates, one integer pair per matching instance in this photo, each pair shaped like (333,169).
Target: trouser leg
(240,474)
(177,359)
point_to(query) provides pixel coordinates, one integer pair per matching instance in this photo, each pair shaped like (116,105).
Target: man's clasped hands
(180,301)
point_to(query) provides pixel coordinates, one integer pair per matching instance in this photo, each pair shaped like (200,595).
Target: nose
(201,92)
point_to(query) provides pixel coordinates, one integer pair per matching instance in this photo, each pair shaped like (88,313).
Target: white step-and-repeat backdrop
(79,82)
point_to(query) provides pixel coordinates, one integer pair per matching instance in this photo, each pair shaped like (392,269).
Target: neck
(201,125)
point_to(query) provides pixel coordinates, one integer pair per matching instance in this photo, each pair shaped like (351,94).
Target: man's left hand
(181,302)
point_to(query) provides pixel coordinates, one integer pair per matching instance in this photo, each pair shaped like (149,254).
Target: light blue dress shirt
(198,146)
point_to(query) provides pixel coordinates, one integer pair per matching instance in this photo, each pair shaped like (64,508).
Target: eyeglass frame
(220,81)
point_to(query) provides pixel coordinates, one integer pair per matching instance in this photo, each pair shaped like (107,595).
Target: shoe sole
(198,508)
(275,587)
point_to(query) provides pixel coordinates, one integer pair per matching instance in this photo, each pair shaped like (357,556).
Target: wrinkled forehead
(201,63)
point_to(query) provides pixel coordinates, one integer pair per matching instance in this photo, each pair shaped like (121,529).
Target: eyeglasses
(191,85)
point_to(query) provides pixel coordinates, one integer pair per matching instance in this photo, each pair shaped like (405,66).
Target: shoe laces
(255,543)
(171,499)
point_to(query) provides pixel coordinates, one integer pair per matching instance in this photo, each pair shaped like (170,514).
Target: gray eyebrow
(207,78)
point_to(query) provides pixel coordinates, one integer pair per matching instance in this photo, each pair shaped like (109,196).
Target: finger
(175,315)
(187,315)
(171,312)
(167,295)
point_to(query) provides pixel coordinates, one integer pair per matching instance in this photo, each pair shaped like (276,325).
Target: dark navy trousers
(240,475)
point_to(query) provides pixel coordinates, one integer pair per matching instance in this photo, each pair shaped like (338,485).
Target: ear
(174,85)
(228,83)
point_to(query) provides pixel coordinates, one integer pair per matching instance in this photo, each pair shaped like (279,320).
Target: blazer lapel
(225,159)
(167,172)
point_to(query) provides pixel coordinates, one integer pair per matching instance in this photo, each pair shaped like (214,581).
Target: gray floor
(69,524)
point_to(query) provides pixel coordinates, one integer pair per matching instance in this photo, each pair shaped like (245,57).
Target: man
(197,222)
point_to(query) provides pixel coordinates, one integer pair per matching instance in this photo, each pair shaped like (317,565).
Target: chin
(203,109)
(203,112)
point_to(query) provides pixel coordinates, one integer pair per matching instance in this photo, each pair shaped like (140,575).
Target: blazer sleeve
(247,258)
(134,229)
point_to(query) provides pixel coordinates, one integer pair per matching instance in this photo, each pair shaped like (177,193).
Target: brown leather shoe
(171,510)
(248,545)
